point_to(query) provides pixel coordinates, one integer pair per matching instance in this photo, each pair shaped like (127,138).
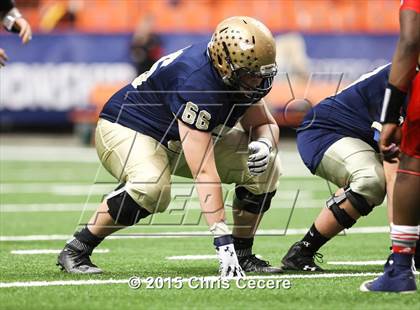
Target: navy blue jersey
(183,85)
(350,113)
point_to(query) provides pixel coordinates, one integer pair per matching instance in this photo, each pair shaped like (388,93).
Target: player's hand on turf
(229,266)
(3,57)
(389,141)
(259,156)
(25,31)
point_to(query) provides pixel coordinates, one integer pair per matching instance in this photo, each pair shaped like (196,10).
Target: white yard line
(49,153)
(47,207)
(180,191)
(61,283)
(56,189)
(342,263)
(353,230)
(191,257)
(64,207)
(196,257)
(292,165)
(211,278)
(49,251)
(67,237)
(359,263)
(184,234)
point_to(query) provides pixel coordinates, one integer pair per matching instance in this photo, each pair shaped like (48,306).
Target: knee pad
(358,202)
(245,200)
(123,209)
(342,217)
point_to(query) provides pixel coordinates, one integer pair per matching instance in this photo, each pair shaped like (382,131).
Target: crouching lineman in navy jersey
(210,97)
(337,141)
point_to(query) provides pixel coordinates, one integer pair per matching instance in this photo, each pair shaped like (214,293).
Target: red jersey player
(398,275)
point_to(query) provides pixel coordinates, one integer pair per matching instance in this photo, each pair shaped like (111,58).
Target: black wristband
(393,100)
(223,240)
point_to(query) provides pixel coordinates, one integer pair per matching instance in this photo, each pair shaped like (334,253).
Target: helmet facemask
(239,76)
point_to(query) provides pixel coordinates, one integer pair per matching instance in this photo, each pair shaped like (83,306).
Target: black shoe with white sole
(299,258)
(251,263)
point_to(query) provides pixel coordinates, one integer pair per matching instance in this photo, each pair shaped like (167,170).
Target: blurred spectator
(60,15)
(146,45)
(291,55)
(13,21)
(174,3)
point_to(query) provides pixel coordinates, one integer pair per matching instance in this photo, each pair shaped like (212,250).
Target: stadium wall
(55,73)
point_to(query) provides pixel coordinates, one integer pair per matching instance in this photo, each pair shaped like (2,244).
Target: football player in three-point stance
(398,275)
(181,118)
(337,141)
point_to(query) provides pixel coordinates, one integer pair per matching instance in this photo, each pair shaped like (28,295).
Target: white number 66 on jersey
(190,116)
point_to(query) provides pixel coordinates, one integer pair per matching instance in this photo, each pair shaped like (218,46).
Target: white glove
(228,261)
(259,156)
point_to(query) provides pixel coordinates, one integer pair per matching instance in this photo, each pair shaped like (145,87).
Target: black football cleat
(417,256)
(251,263)
(75,261)
(299,258)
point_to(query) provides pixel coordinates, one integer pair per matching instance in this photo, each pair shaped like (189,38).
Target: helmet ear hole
(219,60)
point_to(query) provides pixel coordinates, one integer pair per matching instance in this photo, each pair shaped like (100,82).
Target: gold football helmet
(241,48)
